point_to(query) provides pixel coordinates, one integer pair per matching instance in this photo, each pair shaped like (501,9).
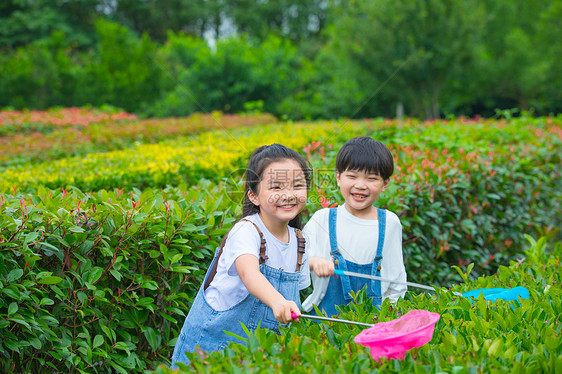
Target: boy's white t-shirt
(357,241)
(227,290)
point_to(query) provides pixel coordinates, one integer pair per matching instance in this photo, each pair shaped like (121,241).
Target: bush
(477,336)
(92,281)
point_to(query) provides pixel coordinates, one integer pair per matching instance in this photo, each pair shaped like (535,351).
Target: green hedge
(91,281)
(477,337)
(105,279)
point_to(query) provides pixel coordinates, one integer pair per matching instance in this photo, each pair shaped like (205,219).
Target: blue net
(493,294)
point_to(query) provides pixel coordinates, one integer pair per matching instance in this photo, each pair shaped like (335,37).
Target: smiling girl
(261,265)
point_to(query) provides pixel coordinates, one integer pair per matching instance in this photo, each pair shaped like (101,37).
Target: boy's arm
(317,234)
(248,269)
(393,262)
(321,267)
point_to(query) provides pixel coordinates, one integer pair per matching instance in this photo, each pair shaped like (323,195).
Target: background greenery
(295,59)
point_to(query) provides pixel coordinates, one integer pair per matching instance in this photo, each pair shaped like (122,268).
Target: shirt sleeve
(392,266)
(242,239)
(316,234)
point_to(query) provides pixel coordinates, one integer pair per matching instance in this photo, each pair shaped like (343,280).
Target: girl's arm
(248,269)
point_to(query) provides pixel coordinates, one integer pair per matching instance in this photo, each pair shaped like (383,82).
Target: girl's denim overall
(339,287)
(204,326)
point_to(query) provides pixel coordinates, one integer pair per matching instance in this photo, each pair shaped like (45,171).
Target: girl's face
(360,190)
(281,194)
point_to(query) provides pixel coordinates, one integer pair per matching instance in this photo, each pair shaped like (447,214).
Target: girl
(261,265)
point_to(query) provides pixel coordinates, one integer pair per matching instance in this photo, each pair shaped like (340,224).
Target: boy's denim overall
(339,287)
(204,326)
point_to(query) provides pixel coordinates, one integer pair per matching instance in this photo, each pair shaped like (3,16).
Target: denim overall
(339,288)
(204,326)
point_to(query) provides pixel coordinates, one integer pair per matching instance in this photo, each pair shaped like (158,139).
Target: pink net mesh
(392,339)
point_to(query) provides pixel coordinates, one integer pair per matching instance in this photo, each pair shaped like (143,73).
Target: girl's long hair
(261,158)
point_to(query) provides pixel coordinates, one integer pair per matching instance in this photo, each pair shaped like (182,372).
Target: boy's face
(361,189)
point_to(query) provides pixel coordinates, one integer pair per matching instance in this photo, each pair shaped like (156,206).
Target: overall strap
(332,231)
(263,256)
(376,269)
(339,261)
(213,270)
(382,231)
(301,244)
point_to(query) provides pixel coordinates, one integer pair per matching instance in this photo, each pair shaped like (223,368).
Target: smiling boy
(357,236)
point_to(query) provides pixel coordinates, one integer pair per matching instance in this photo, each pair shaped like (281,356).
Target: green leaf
(495,347)
(169,318)
(36,343)
(50,246)
(50,280)
(122,346)
(118,368)
(182,269)
(14,275)
(164,250)
(11,345)
(153,338)
(20,321)
(116,274)
(46,301)
(110,333)
(96,274)
(145,301)
(13,308)
(176,258)
(98,340)
(14,294)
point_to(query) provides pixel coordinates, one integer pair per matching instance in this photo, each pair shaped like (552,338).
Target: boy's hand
(321,266)
(282,310)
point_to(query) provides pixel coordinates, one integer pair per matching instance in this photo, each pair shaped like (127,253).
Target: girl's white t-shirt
(227,290)
(357,241)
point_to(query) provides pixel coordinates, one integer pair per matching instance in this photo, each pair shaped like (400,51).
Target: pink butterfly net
(392,339)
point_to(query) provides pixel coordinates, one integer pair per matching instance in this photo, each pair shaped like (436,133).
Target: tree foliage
(302,59)
(418,46)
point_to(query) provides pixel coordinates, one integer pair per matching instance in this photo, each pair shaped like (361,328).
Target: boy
(357,236)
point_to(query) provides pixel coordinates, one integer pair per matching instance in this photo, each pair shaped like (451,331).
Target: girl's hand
(282,310)
(321,266)
(248,269)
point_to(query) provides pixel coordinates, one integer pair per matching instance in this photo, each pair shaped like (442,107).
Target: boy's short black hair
(365,154)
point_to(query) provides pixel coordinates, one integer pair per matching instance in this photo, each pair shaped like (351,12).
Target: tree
(294,19)
(157,17)
(22,22)
(519,60)
(413,49)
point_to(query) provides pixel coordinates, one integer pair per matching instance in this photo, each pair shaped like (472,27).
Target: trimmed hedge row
(92,281)
(40,136)
(470,337)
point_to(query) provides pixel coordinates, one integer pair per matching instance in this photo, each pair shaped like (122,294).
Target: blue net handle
(494,294)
